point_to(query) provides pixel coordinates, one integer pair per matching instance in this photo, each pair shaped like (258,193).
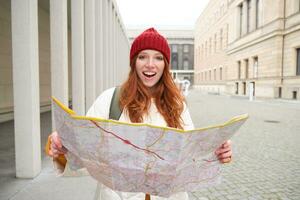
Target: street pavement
(266,150)
(266,154)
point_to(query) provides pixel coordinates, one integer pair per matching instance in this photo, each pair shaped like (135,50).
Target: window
(221,74)
(248,15)
(205,48)
(241,18)
(174,64)
(198,58)
(255,67)
(227,29)
(186,48)
(215,45)
(215,74)
(209,46)
(174,48)
(298,62)
(185,64)
(221,39)
(246,68)
(174,61)
(294,94)
(239,70)
(257,17)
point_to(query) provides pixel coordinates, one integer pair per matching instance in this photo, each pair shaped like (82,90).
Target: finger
(56,150)
(57,145)
(55,153)
(226,160)
(56,139)
(50,153)
(64,150)
(222,150)
(225,155)
(227,143)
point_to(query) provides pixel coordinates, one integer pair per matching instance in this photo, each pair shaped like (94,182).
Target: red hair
(135,97)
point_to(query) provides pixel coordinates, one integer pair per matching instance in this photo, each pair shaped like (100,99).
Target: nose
(150,62)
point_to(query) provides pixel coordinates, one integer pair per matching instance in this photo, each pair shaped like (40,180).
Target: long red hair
(135,98)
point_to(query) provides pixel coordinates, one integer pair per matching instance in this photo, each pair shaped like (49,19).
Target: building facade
(249,47)
(68,49)
(182,51)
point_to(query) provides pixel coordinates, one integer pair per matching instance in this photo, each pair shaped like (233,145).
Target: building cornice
(261,38)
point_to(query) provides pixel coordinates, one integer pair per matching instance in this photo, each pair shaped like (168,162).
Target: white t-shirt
(100,108)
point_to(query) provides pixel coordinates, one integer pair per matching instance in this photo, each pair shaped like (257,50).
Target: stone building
(68,49)
(182,51)
(249,47)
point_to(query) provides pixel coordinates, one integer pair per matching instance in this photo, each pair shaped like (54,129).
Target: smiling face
(150,65)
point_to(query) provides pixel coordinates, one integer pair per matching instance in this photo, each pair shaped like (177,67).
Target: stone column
(99,47)
(78,71)
(110,45)
(114,56)
(59,51)
(106,43)
(90,48)
(118,64)
(25,61)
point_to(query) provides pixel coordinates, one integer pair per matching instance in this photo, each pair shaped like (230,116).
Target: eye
(159,57)
(141,57)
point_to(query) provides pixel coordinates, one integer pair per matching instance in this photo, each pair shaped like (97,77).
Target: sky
(161,13)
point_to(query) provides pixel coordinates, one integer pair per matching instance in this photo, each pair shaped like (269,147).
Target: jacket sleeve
(186,118)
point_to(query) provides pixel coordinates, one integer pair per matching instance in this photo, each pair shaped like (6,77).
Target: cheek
(138,68)
(161,70)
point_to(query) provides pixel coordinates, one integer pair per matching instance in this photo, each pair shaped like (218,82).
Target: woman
(150,96)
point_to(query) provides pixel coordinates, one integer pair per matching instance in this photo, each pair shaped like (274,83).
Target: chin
(149,85)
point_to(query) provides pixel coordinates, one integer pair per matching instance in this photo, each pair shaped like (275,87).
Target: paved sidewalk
(266,161)
(266,155)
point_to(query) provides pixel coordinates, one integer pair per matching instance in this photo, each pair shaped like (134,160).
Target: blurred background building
(249,45)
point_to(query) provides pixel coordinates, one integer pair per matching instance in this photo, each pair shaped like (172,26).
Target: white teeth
(149,73)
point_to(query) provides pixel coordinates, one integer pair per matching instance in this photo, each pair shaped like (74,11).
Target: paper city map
(141,157)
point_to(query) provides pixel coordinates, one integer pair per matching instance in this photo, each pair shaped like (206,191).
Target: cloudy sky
(160,13)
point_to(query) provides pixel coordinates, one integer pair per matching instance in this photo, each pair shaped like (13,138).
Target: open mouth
(149,74)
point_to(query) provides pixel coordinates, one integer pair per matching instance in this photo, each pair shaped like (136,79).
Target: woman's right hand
(56,147)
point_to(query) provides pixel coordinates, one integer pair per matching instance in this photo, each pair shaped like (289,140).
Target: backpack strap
(115,110)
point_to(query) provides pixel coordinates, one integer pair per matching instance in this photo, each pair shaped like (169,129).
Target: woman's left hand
(224,152)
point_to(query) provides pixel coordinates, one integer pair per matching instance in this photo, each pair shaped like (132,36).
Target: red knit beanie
(150,39)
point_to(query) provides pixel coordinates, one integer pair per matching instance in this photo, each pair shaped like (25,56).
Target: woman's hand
(224,152)
(56,147)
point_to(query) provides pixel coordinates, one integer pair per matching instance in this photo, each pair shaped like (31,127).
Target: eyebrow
(156,54)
